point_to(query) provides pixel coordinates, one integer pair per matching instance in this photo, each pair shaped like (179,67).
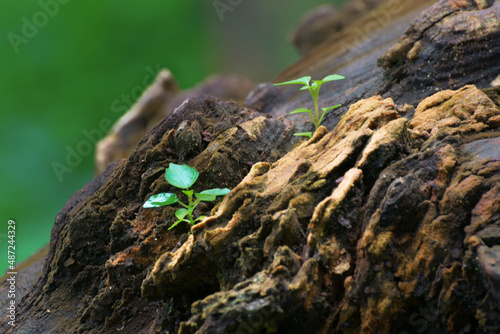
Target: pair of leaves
(325,110)
(181,214)
(182,176)
(305,81)
(162,199)
(302,110)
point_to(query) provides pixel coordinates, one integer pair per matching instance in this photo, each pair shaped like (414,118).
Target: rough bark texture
(399,52)
(157,102)
(388,223)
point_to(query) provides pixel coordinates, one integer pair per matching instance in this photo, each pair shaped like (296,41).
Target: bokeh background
(63,64)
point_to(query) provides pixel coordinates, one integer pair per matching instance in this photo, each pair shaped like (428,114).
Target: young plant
(183,177)
(314,91)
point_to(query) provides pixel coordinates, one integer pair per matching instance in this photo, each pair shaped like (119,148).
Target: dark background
(60,78)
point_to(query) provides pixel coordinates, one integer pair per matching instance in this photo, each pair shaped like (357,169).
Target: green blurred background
(68,71)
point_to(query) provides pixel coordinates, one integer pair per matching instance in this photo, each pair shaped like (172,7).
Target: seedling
(314,91)
(183,177)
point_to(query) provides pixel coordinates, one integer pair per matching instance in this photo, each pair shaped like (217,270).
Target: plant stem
(316,113)
(314,94)
(190,209)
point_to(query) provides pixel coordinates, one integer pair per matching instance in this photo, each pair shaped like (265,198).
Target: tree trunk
(386,221)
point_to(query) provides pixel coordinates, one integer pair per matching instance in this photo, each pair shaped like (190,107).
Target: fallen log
(386,220)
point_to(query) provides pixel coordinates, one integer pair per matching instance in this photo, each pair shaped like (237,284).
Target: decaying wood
(157,102)
(323,22)
(386,221)
(447,46)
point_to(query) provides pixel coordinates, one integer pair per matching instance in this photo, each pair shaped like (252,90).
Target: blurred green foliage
(63,80)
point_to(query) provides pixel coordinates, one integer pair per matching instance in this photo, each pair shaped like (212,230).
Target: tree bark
(386,221)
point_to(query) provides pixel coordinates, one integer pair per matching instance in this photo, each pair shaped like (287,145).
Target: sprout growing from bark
(183,177)
(314,91)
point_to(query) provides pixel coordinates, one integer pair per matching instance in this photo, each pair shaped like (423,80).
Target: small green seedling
(314,91)
(183,177)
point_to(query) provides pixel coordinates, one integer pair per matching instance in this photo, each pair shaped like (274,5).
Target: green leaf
(333,77)
(304,88)
(177,222)
(162,199)
(325,110)
(200,218)
(298,111)
(210,194)
(205,197)
(299,81)
(181,176)
(181,213)
(331,108)
(216,191)
(303,134)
